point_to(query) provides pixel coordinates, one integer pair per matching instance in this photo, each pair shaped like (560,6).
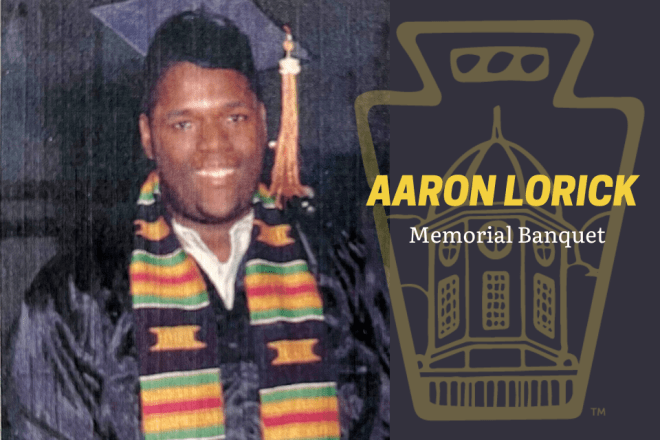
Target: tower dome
(501,157)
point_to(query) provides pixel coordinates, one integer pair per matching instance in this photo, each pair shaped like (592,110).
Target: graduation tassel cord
(285,177)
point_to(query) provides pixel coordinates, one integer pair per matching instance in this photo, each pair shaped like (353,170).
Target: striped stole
(176,333)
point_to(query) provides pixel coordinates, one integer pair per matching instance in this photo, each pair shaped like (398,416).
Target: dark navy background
(622,61)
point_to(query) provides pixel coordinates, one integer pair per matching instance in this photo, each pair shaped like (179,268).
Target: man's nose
(214,136)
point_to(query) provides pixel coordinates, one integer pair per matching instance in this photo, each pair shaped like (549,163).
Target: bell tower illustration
(497,338)
(504,339)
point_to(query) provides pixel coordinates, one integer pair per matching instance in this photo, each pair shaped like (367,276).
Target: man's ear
(145,136)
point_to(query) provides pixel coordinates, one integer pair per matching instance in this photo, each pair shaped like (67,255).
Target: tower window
(495,300)
(448,306)
(545,305)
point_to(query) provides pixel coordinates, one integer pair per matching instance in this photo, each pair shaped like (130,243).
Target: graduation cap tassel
(285,177)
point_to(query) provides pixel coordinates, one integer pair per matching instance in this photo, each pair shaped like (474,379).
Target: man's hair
(201,38)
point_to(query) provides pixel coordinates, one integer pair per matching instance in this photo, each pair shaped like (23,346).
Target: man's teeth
(216,172)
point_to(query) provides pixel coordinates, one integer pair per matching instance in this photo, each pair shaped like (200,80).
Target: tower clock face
(448,253)
(495,250)
(544,253)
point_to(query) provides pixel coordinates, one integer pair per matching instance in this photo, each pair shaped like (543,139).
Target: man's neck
(215,235)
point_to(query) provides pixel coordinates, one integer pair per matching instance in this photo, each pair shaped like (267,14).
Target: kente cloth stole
(176,333)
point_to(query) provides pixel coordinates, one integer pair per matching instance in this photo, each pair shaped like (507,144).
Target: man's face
(207,134)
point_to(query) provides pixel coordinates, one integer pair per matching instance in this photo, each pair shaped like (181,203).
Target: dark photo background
(70,97)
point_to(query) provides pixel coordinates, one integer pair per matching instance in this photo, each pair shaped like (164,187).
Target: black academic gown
(72,367)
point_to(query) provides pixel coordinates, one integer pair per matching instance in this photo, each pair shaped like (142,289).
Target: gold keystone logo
(498,311)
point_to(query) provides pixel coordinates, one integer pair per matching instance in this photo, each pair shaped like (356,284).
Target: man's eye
(238,118)
(183,125)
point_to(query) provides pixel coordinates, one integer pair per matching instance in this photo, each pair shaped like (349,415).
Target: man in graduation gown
(207,312)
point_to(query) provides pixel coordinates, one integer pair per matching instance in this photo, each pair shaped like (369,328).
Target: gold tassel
(285,177)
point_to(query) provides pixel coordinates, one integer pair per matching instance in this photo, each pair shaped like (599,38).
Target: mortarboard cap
(136,22)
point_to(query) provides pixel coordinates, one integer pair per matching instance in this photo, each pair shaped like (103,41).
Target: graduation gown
(72,366)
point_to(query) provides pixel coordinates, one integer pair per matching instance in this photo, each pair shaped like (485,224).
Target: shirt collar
(222,275)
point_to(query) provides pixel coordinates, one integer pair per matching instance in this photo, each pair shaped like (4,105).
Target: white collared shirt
(222,275)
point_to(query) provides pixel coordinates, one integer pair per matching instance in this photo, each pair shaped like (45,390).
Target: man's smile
(215,173)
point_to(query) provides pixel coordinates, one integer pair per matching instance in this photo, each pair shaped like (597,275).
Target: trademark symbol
(597,412)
